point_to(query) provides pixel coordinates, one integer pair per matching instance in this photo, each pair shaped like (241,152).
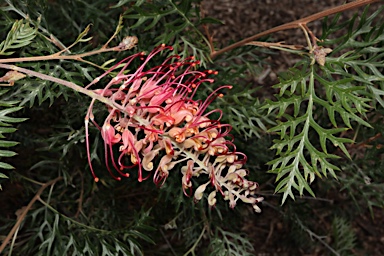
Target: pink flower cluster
(155,126)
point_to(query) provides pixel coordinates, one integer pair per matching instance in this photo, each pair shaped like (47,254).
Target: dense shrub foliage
(180,148)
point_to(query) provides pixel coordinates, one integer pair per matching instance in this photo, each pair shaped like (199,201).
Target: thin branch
(295,24)
(210,37)
(25,211)
(314,235)
(62,57)
(206,30)
(70,85)
(277,45)
(271,194)
(193,248)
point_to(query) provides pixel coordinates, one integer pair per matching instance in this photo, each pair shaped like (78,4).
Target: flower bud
(211,198)
(200,191)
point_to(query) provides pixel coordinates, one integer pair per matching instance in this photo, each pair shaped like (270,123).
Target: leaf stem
(29,179)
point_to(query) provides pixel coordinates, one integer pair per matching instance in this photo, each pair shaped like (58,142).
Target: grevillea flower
(153,118)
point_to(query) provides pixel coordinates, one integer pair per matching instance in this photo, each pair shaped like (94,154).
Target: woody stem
(295,24)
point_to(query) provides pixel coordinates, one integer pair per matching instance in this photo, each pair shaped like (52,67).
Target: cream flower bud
(256,208)
(230,158)
(147,160)
(221,158)
(226,195)
(253,186)
(242,172)
(232,201)
(232,168)
(212,198)
(232,177)
(200,191)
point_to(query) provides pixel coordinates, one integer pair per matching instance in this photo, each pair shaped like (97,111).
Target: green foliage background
(320,123)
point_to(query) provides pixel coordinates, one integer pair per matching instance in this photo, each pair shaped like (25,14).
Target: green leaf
(6,166)
(81,36)
(173,18)
(19,36)
(124,2)
(7,153)
(312,100)
(5,127)
(343,236)
(3,176)
(300,159)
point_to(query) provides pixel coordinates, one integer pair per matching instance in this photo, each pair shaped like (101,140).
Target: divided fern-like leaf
(244,112)
(343,236)
(302,143)
(59,234)
(173,18)
(6,121)
(20,35)
(241,107)
(227,243)
(342,92)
